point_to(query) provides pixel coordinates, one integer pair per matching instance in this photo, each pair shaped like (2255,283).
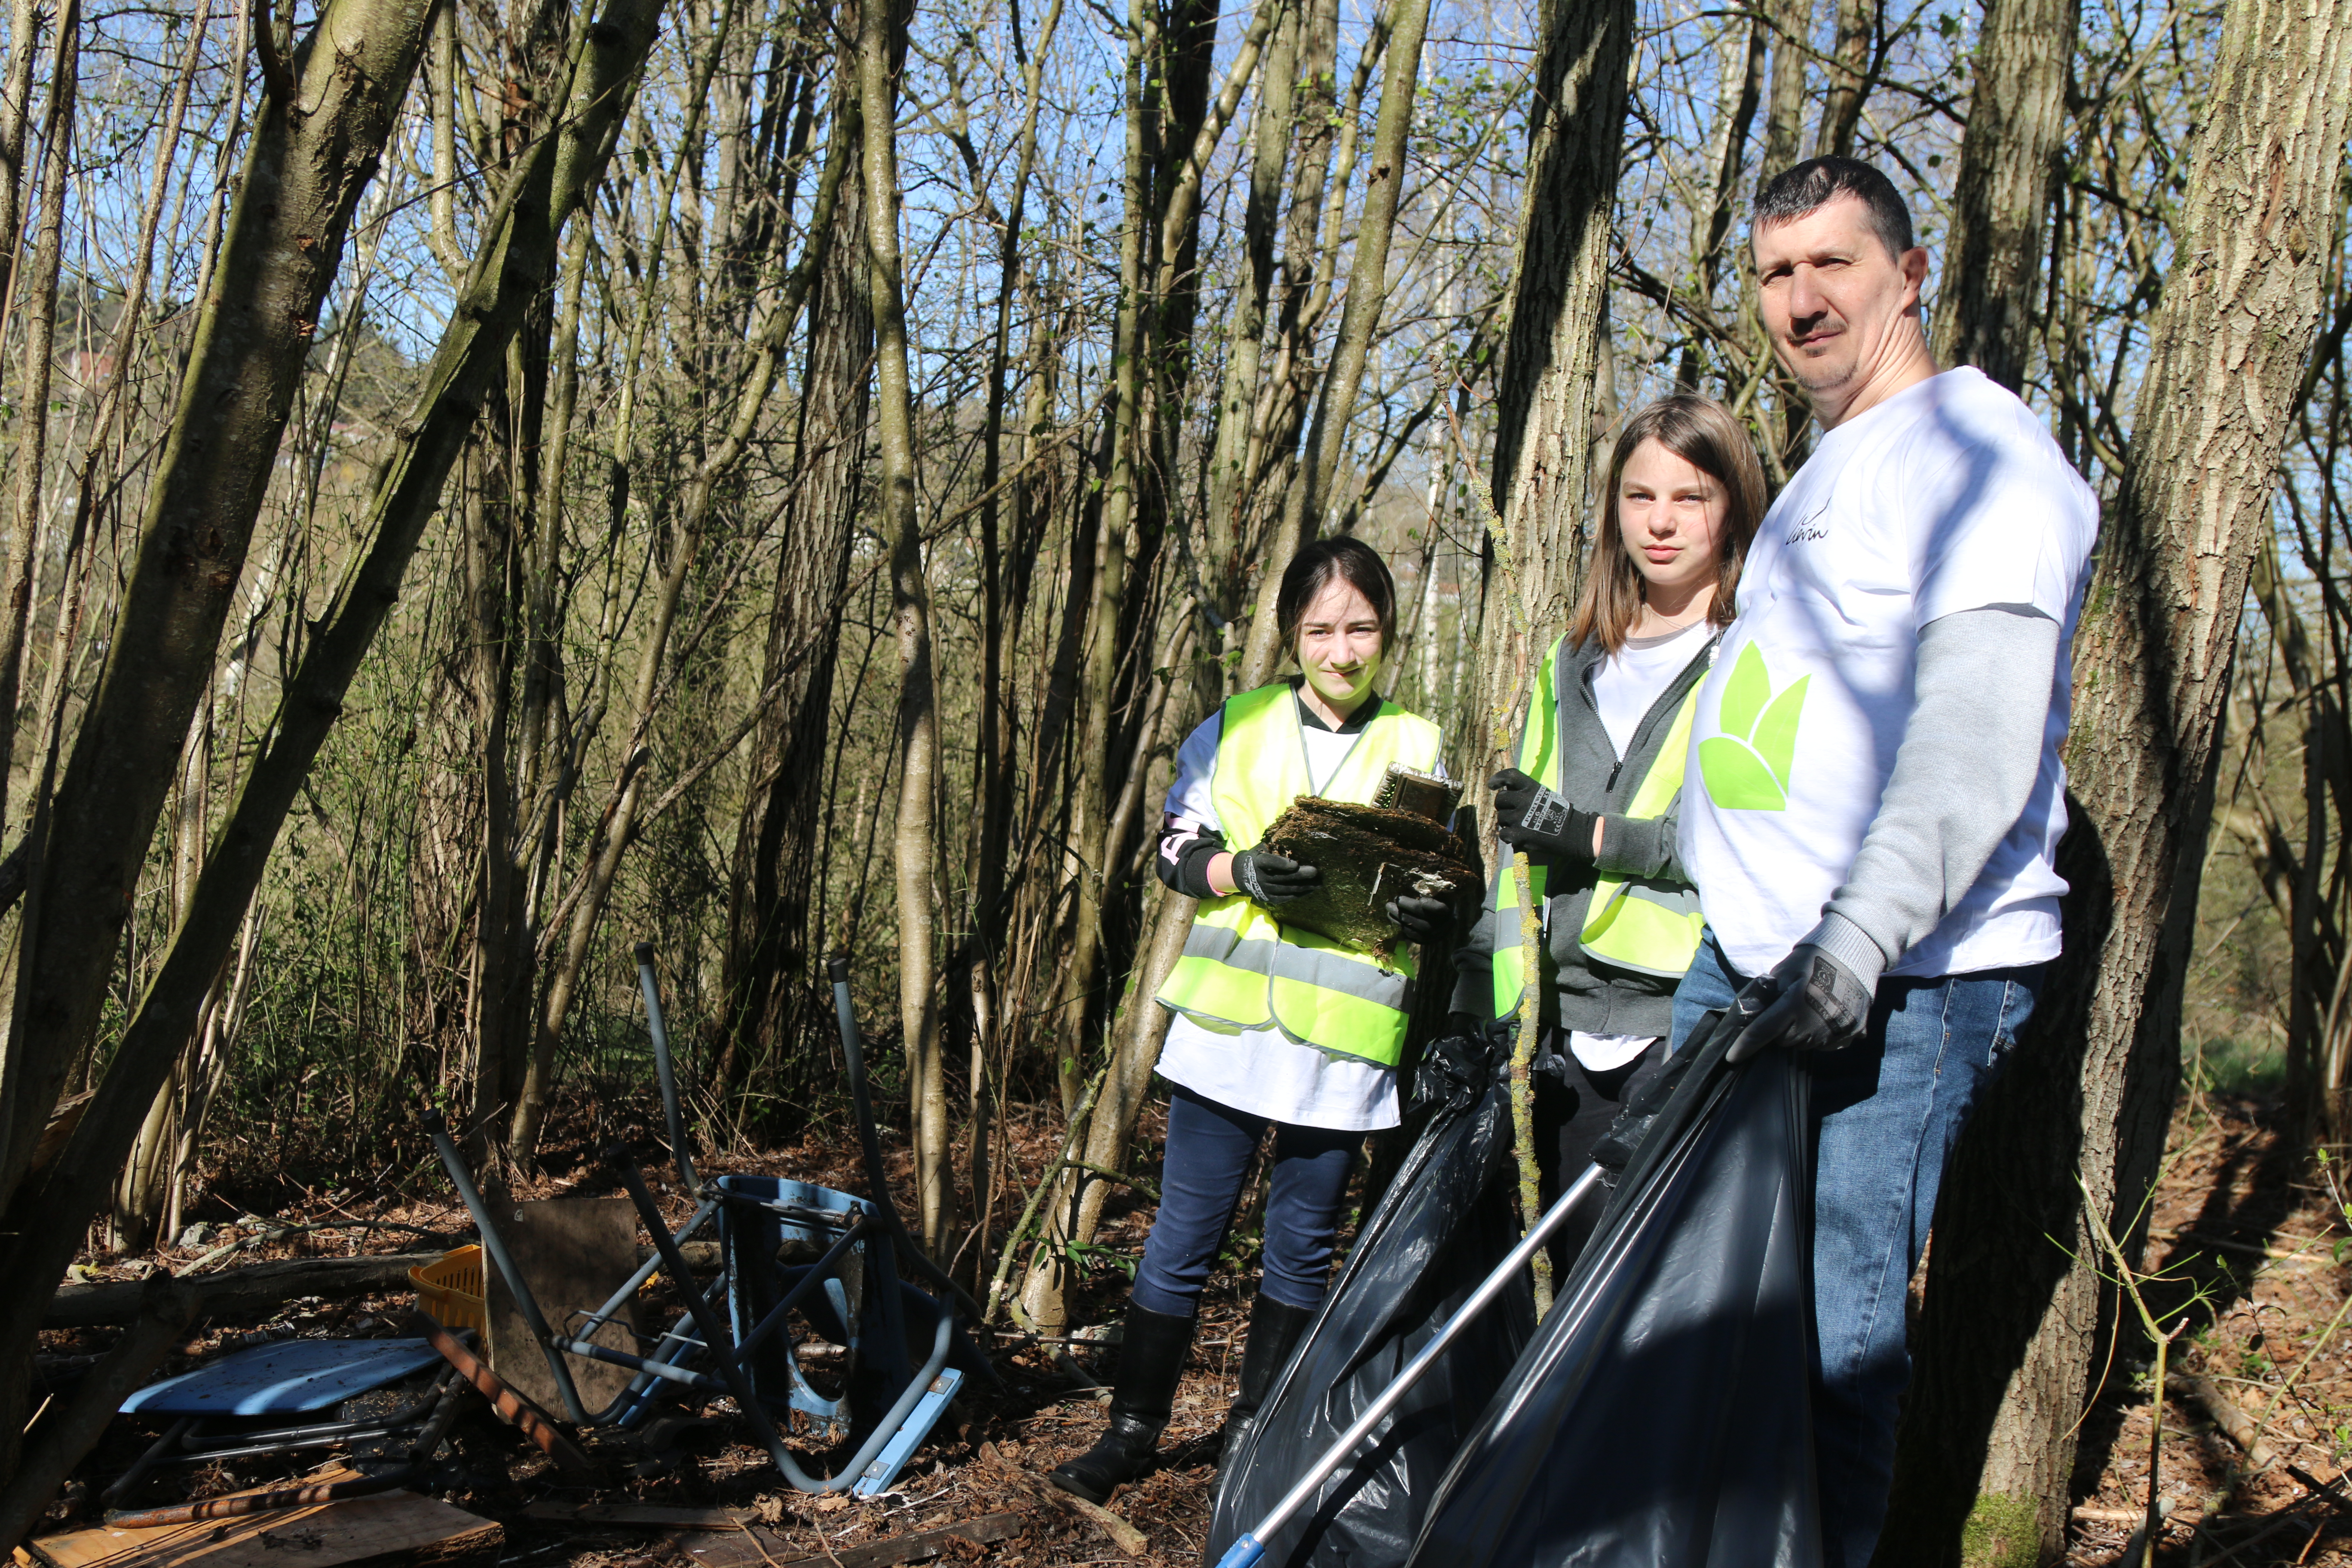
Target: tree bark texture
(1091,786)
(1852,67)
(1553,360)
(47,1217)
(1784,108)
(2005,1346)
(310,162)
(2009,166)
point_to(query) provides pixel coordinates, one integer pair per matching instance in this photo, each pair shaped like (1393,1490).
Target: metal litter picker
(1250,1547)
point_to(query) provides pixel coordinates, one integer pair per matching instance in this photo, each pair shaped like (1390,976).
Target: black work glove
(1810,1002)
(1538,820)
(1270,879)
(1422,919)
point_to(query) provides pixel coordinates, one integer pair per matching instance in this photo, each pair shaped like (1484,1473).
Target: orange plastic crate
(451,1289)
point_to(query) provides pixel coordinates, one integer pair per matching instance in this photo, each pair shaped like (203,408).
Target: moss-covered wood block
(1367,857)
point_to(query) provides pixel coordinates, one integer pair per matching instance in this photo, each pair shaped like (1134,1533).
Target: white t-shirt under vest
(1950,496)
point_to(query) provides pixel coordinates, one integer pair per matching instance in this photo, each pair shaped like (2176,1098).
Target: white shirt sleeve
(1191,807)
(2000,521)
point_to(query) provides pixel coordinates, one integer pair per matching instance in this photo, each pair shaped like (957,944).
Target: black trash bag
(1445,1222)
(1661,1418)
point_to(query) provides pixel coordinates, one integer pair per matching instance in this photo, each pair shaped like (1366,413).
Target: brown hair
(1814,183)
(1312,569)
(1704,434)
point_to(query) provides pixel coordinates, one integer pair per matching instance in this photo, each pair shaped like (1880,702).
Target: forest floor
(2243,1240)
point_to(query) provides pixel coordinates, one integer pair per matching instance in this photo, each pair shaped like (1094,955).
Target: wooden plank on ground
(745,1550)
(639,1513)
(394,1529)
(256,1289)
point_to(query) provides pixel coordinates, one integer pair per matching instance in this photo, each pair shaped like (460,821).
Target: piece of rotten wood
(1123,1535)
(257,1288)
(262,1287)
(2234,1422)
(637,1514)
(745,1549)
(397,1530)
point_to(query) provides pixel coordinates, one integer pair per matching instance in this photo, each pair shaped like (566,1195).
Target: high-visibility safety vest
(1242,967)
(1648,928)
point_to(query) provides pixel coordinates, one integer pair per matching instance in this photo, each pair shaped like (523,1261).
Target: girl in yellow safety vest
(1593,800)
(1274,1026)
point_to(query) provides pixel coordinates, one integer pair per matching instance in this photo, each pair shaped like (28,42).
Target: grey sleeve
(1969,755)
(1642,848)
(1474,956)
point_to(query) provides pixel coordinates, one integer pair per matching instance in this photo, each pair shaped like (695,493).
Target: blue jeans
(1886,1115)
(1209,1150)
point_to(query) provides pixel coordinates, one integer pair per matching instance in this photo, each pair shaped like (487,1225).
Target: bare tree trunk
(1784,114)
(776,1009)
(302,181)
(237,381)
(583,906)
(1367,296)
(1230,483)
(995,756)
(1091,786)
(2006,1344)
(1854,67)
(1742,89)
(16,115)
(881,34)
(1551,364)
(2009,168)
(40,322)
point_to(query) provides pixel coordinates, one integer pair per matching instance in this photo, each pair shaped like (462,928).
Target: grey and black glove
(1270,879)
(1810,1002)
(1422,919)
(1540,820)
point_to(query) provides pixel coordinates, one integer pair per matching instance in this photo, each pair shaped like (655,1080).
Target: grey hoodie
(1588,994)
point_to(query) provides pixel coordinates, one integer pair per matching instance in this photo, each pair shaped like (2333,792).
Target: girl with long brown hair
(1593,800)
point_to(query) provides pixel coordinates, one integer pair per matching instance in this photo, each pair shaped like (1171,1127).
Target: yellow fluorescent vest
(1242,967)
(1645,927)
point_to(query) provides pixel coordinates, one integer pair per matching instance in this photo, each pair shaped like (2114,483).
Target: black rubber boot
(1150,1359)
(1274,1330)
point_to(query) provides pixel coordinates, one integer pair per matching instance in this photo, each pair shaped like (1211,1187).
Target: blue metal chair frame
(751,1354)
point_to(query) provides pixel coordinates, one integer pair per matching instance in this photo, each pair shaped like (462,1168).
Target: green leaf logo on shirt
(1746,768)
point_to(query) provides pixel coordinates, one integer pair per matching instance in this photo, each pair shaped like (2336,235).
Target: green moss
(2004,1531)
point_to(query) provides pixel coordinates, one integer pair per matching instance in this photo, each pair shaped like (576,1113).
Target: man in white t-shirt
(1876,794)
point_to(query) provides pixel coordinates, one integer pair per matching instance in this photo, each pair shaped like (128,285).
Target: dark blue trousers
(1209,1150)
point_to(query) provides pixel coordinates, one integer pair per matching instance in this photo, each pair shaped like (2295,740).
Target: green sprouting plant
(1089,1258)
(2134,1288)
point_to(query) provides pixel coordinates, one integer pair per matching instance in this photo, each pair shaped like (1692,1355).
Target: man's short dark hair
(1817,182)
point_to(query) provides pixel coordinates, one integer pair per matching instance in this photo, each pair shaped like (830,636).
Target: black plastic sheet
(1444,1223)
(1661,1418)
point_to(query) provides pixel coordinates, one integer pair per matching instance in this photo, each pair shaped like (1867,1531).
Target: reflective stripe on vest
(1243,969)
(1651,927)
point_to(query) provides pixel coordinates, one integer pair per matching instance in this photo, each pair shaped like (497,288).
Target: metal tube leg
(650,984)
(495,1247)
(714,1333)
